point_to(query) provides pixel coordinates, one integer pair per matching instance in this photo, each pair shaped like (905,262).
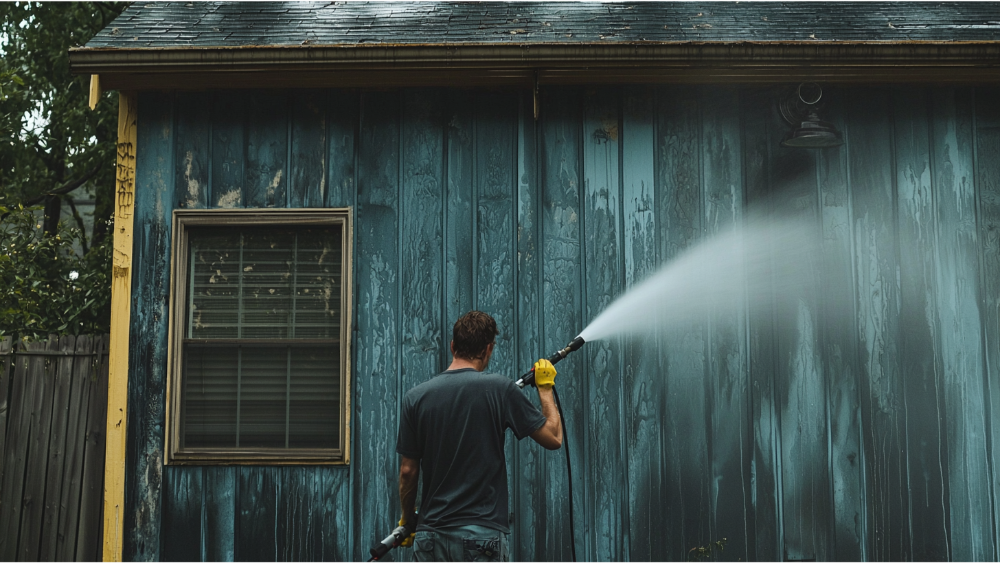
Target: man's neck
(462,363)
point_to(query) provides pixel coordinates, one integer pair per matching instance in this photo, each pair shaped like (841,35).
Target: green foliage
(704,552)
(50,139)
(37,294)
(52,144)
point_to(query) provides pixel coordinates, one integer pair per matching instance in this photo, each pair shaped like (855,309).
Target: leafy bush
(45,286)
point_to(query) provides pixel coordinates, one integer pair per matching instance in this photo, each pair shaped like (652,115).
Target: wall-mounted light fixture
(800,108)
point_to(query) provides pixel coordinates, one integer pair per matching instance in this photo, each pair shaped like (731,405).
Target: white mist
(762,261)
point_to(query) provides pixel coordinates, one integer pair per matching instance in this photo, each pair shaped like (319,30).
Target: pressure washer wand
(392,540)
(529,377)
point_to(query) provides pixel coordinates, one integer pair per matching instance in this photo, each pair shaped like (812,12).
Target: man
(451,429)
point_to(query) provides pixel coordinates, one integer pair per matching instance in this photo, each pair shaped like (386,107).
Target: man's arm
(550,435)
(409,471)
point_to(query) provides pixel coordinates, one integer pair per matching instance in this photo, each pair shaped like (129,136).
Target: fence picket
(75,441)
(58,445)
(12,486)
(42,376)
(89,530)
(6,347)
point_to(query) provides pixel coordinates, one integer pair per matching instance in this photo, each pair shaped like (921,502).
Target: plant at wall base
(45,286)
(704,552)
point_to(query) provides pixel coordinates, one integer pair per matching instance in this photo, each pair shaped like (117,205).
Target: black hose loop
(569,474)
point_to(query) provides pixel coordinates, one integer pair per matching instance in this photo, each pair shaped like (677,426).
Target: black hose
(569,474)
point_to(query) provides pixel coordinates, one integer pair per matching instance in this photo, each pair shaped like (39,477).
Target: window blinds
(261,353)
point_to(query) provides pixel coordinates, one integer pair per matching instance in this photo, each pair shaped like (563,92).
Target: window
(259,337)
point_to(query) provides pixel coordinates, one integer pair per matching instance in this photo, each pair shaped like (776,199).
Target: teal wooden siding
(797,432)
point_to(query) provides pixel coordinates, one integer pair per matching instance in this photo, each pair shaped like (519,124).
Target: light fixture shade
(800,108)
(813,133)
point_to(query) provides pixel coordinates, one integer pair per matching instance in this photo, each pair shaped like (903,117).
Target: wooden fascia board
(522,64)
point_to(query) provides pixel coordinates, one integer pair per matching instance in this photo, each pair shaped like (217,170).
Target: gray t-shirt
(454,424)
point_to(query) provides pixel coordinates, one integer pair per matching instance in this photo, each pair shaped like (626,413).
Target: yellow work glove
(545,374)
(408,542)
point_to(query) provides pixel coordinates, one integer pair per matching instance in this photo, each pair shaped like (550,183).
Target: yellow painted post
(95,90)
(121,286)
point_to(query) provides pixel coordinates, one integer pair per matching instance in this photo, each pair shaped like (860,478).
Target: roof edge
(874,57)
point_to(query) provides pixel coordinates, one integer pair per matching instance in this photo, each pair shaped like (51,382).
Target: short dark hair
(472,333)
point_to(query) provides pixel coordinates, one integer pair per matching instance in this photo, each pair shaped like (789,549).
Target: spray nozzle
(573,346)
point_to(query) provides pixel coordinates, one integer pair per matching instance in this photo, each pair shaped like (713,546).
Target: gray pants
(461,543)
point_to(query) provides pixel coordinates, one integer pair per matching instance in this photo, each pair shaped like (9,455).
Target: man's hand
(408,541)
(545,374)
(550,435)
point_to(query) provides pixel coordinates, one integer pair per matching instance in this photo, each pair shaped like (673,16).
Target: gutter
(366,64)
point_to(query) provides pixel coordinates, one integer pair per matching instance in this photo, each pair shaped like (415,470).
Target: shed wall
(795,433)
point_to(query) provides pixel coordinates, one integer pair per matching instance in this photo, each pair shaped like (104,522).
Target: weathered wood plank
(494,188)
(81,380)
(267,130)
(800,388)
(90,528)
(764,520)
(219,529)
(307,167)
(561,278)
(728,371)
(258,528)
(495,277)
(460,221)
(228,150)
(601,211)
(342,126)
(181,516)
(376,501)
(987,155)
(840,352)
(422,180)
(192,164)
(918,319)
(528,459)
(59,444)
(6,375)
(335,526)
(961,345)
(43,378)
(685,441)
(296,523)
(16,459)
(154,200)
(643,380)
(883,411)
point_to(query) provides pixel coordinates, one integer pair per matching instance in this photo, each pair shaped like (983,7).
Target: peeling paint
(275,182)
(193,186)
(230,199)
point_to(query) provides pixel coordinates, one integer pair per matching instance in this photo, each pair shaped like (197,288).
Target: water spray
(529,377)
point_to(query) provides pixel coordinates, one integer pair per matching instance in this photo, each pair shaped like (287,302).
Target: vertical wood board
(377,346)
(154,201)
(601,210)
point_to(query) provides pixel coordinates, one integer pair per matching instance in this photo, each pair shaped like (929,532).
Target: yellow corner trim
(95,90)
(121,285)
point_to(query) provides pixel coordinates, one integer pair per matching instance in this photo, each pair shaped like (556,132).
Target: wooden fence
(53,407)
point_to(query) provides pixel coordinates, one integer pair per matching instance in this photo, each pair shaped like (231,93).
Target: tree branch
(65,188)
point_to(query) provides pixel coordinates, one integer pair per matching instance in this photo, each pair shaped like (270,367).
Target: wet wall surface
(854,422)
